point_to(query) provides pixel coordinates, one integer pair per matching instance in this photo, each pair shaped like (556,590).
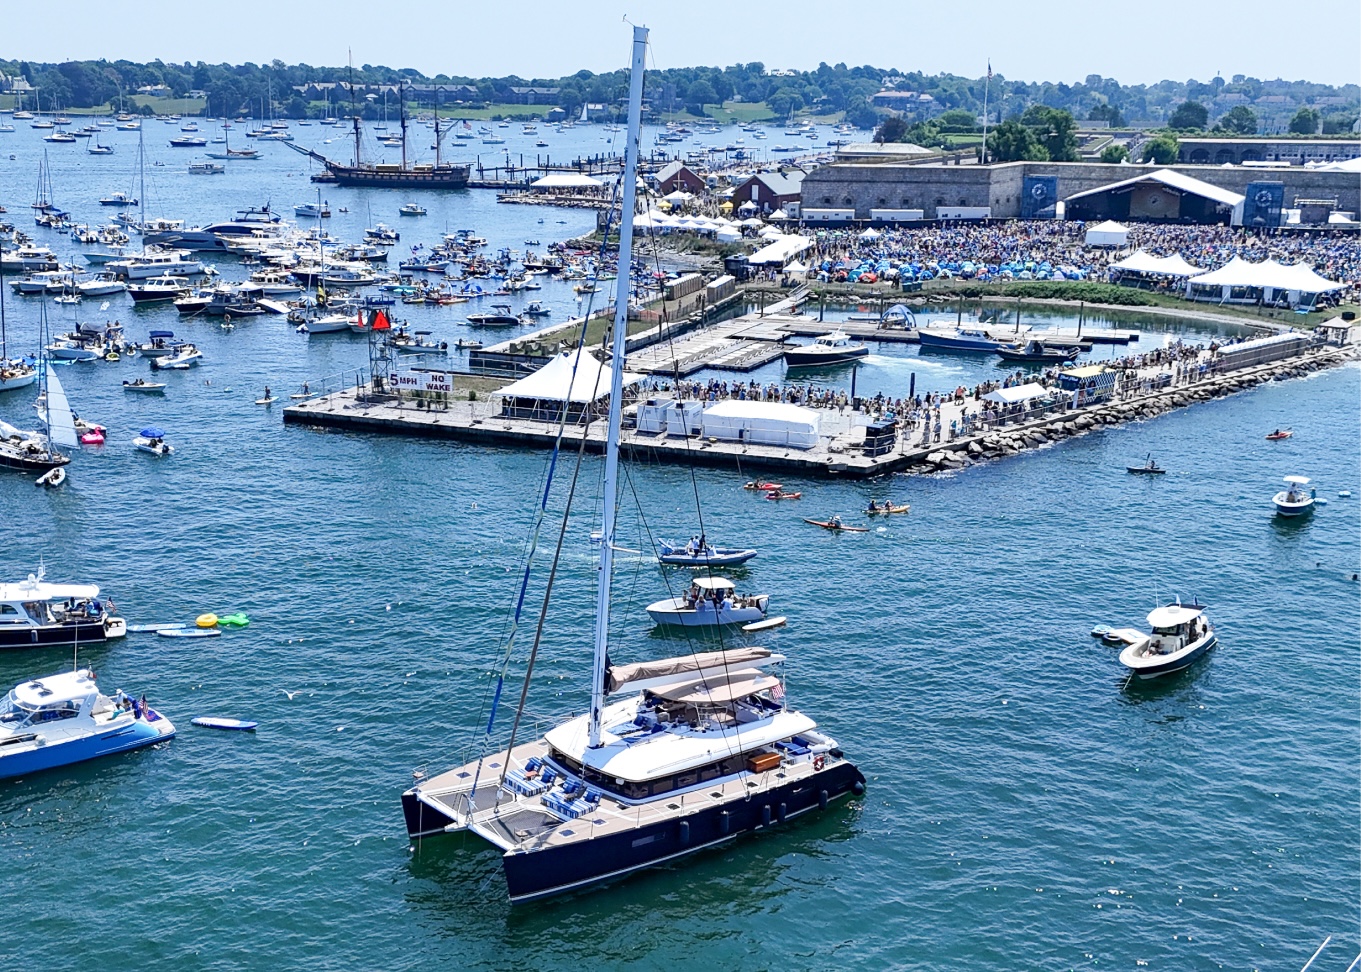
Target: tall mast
(354,111)
(436,126)
(401,97)
(141,176)
(621,318)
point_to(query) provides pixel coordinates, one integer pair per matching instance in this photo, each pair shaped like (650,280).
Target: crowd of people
(1036,249)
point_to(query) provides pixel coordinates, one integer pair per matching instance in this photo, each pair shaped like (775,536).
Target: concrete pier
(840,449)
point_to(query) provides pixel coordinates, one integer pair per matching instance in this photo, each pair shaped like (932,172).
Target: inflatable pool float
(237,620)
(206,620)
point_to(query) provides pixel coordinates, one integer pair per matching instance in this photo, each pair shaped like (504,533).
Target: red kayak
(777,494)
(1279,434)
(762,486)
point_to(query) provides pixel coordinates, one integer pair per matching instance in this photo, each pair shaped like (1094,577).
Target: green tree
(1055,129)
(1189,116)
(701,93)
(1013,142)
(860,113)
(1305,121)
(1114,154)
(1162,150)
(1240,120)
(785,102)
(1338,124)
(957,120)
(892,129)
(1107,112)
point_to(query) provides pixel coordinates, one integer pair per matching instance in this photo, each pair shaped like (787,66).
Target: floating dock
(840,450)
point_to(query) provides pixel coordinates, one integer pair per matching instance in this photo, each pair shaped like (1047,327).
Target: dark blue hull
(66,635)
(1178,664)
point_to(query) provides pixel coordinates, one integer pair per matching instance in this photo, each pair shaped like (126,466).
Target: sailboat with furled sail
(673,755)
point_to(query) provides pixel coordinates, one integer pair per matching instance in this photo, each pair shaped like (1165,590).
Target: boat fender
(685,832)
(822,799)
(765,815)
(725,822)
(783,812)
(819,762)
(858,788)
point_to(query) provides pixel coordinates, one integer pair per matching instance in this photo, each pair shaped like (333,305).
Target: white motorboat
(102,285)
(1181,633)
(52,478)
(1295,500)
(16,374)
(411,209)
(330,324)
(63,719)
(152,440)
(36,612)
(60,350)
(698,552)
(690,753)
(710,601)
(147,265)
(185,356)
(834,348)
(144,386)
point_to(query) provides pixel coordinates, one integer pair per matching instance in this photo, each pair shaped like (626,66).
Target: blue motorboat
(63,719)
(959,339)
(699,553)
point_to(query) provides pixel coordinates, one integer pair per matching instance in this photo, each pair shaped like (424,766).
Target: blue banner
(1039,196)
(1264,203)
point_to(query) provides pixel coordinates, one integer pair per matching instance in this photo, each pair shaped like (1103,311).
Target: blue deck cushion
(517,782)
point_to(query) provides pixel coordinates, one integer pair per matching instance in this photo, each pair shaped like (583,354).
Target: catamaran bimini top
(1173,616)
(665,671)
(1297,480)
(36,590)
(738,685)
(714,584)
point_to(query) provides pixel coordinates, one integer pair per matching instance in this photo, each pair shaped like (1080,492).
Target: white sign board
(423,381)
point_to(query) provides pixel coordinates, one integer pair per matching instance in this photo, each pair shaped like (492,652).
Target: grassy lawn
(728,113)
(962,141)
(171,106)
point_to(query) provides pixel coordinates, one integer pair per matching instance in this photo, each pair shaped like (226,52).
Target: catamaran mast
(621,317)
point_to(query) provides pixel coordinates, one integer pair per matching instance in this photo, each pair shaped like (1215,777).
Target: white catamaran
(674,755)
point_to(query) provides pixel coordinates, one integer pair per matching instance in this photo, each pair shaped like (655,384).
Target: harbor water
(1028,807)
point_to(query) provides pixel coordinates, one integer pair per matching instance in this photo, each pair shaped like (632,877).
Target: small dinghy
(877,509)
(1279,434)
(232,725)
(699,553)
(779,494)
(52,478)
(152,440)
(1295,500)
(761,485)
(1149,468)
(142,385)
(835,525)
(189,633)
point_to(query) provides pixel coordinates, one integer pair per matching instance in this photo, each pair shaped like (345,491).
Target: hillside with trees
(1237,105)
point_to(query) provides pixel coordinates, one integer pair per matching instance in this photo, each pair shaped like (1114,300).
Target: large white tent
(1109,233)
(1141,261)
(762,423)
(574,377)
(566,180)
(1016,393)
(1239,281)
(780,250)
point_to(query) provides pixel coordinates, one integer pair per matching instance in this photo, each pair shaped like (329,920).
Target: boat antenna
(621,316)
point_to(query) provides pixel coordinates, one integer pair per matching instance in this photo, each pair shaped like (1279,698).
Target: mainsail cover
(61,427)
(619,676)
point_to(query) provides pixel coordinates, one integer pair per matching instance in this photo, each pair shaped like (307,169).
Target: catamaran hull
(540,874)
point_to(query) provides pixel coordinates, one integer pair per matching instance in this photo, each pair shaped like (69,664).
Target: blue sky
(1059,40)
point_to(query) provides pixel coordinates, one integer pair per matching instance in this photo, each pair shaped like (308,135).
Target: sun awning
(617,677)
(718,690)
(1016,393)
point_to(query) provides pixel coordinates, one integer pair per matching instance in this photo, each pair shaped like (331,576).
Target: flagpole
(986,83)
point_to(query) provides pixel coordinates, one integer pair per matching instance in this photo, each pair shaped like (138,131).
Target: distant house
(595,110)
(677,175)
(769,191)
(155,90)
(556,115)
(534,96)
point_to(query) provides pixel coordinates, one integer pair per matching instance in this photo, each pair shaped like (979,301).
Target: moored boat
(36,612)
(1181,634)
(710,602)
(1295,500)
(61,719)
(834,348)
(700,553)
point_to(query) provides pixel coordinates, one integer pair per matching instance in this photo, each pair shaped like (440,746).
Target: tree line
(827,89)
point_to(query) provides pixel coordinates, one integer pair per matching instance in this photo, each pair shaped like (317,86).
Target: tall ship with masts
(393,175)
(672,755)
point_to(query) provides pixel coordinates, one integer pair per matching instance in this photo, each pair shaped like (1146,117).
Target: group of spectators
(1033,248)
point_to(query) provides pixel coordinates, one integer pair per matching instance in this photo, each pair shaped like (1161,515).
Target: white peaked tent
(1109,233)
(870,234)
(1141,261)
(1239,281)
(566,180)
(574,377)
(677,198)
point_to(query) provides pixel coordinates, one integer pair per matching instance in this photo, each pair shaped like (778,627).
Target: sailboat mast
(621,317)
(401,97)
(437,135)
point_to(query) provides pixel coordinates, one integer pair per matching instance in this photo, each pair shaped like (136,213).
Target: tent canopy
(1240,273)
(1173,180)
(1016,393)
(566,180)
(555,381)
(1109,233)
(1141,261)
(781,249)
